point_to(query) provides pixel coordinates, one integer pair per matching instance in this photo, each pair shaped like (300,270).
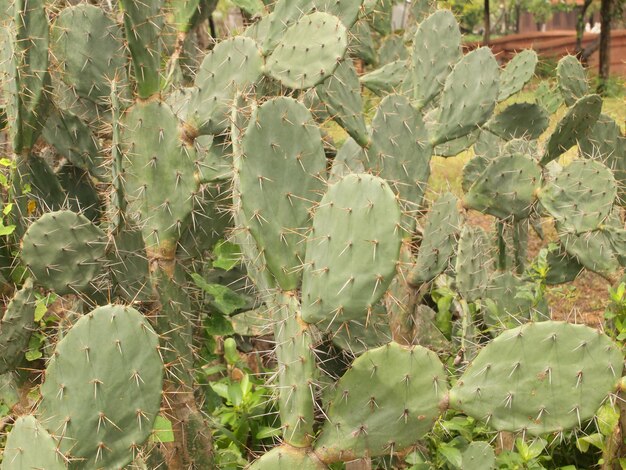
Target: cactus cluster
(156,157)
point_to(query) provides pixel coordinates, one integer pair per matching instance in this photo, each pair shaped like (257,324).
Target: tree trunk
(606,11)
(487,24)
(518,14)
(580,27)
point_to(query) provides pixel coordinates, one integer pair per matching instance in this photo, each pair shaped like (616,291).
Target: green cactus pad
(469,96)
(508,303)
(341,94)
(29,446)
(517,73)
(506,188)
(400,403)
(16,326)
(479,456)
(539,378)
(309,51)
(89,49)
(356,337)
(286,457)
(519,120)
(392,49)
(64,252)
(606,142)
(437,47)
(350,158)
(143,22)
(401,150)
(24,70)
(297,371)
(73,139)
(230,66)
(102,390)
(352,251)
(346,11)
(128,263)
(581,196)
(488,146)
(361,43)
(562,267)
(159,177)
(455,146)
(442,227)
(279,181)
(285,14)
(594,250)
(473,263)
(572,79)
(548,97)
(390,78)
(573,127)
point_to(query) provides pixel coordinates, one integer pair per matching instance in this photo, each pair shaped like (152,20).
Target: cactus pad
(29,446)
(64,250)
(16,327)
(309,51)
(89,49)
(473,263)
(506,188)
(573,127)
(469,96)
(437,47)
(517,73)
(159,178)
(401,150)
(400,403)
(571,79)
(230,66)
(280,180)
(342,95)
(288,458)
(539,378)
(297,371)
(519,120)
(581,196)
(352,251)
(442,227)
(102,389)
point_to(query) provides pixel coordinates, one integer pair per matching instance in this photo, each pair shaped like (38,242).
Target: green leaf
(264,432)
(596,440)
(34,347)
(162,431)
(230,351)
(608,419)
(6,230)
(451,454)
(40,309)
(7,208)
(218,325)
(225,299)
(530,451)
(227,255)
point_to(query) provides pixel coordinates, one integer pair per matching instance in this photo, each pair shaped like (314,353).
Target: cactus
(359,267)
(186,153)
(30,446)
(542,393)
(64,252)
(16,326)
(401,403)
(102,390)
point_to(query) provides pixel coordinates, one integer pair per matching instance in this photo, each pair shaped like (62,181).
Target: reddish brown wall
(557,44)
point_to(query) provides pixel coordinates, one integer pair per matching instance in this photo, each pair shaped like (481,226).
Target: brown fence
(557,44)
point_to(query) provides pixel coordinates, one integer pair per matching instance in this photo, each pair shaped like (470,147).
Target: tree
(606,13)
